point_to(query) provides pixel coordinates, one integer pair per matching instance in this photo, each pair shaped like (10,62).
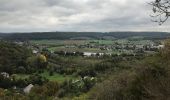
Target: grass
(107,42)
(46,42)
(55,77)
(81,42)
(57,48)
(62,48)
(122,41)
(21,76)
(69,42)
(58,42)
(144,42)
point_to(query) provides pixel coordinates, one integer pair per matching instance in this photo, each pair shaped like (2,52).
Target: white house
(28,88)
(4,74)
(160,46)
(34,51)
(89,54)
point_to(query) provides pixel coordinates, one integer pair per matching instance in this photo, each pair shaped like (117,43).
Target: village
(93,49)
(96,49)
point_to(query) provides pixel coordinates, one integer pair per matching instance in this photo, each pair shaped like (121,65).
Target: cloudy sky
(77,15)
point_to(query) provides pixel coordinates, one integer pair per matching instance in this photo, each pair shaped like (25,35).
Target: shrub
(145,82)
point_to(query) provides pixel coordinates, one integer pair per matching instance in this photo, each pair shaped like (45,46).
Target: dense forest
(12,57)
(81,35)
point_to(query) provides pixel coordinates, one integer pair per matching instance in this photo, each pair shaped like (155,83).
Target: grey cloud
(76,15)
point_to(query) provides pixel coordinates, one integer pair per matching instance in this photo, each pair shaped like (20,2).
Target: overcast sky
(77,15)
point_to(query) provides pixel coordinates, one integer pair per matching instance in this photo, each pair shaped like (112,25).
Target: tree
(161,10)
(12,57)
(165,53)
(39,61)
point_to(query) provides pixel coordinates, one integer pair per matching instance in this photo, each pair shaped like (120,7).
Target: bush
(37,79)
(145,82)
(87,72)
(5,82)
(148,79)
(50,89)
(12,57)
(51,73)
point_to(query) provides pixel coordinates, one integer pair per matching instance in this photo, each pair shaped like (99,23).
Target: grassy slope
(56,77)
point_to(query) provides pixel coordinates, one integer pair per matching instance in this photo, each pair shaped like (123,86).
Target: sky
(77,15)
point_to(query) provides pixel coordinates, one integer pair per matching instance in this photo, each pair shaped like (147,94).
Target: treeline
(12,57)
(19,59)
(147,79)
(81,35)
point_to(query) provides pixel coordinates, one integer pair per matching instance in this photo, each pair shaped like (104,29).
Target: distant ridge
(81,35)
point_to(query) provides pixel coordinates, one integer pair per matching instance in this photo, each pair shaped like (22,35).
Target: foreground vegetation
(76,77)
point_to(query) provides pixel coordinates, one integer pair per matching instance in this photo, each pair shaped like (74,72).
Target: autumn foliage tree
(37,62)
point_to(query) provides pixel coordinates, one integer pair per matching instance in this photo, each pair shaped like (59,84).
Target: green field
(106,42)
(62,48)
(55,77)
(70,42)
(21,76)
(58,42)
(81,42)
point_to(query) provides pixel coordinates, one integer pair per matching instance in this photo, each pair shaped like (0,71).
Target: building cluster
(104,49)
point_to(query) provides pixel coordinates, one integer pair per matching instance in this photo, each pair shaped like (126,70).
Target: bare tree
(161,10)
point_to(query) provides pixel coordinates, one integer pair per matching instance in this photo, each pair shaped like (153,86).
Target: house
(160,46)
(28,88)
(101,54)
(34,51)
(89,54)
(19,43)
(139,46)
(4,74)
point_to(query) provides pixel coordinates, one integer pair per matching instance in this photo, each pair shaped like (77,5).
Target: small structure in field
(89,54)
(4,74)
(28,88)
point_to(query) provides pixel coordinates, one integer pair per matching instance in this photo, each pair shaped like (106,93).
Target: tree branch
(161,10)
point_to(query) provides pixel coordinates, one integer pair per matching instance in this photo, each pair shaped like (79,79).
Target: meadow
(58,42)
(55,77)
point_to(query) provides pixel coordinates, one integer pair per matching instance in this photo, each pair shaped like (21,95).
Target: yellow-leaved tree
(39,61)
